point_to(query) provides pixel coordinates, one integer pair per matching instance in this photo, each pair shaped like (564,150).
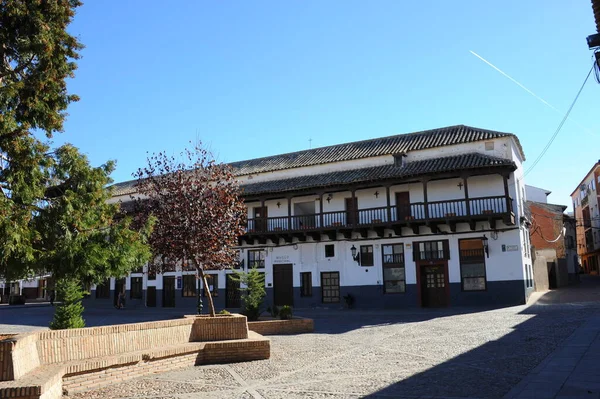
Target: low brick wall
(222,327)
(35,365)
(282,327)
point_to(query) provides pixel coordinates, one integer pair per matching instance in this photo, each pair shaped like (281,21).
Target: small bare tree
(198,209)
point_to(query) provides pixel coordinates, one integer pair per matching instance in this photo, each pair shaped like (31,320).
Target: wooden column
(289,204)
(467,204)
(263,224)
(354,208)
(321,210)
(389,207)
(425,199)
(505,178)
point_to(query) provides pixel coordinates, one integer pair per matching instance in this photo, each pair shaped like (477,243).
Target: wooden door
(151,297)
(168,291)
(119,287)
(260,218)
(351,210)
(433,286)
(232,292)
(283,284)
(403,205)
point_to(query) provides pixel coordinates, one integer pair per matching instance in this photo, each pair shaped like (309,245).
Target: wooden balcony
(431,214)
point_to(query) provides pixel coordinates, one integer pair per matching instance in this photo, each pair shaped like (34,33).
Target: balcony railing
(437,211)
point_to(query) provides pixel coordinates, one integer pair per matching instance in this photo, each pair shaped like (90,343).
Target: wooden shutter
(446,245)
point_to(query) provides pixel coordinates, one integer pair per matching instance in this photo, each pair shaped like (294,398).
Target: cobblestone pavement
(382,354)
(448,353)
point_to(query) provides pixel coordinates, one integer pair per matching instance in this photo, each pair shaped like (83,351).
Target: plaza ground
(455,352)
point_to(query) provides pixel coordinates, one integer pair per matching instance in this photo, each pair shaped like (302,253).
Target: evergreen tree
(68,312)
(254,294)
(54,215)
(36,56)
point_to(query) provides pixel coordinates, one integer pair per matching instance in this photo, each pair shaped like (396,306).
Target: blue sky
(252,79)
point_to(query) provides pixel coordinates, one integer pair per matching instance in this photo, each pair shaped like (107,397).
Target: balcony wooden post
(262,216)
(321,210)
(506,197)
(354,209)
(467,202)
(389,207)
(425,199)
(289,204)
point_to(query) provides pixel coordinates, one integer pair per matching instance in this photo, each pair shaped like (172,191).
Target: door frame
(291,295)
(437,262)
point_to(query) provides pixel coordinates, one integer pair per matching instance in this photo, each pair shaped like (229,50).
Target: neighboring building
(537,194)
(585,206)
(424,219)
(553,240)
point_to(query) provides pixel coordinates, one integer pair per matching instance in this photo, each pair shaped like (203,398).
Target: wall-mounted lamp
(484,241)
(494,235)
(328,198)
(295,246)
(376,194)
(355,256)
(278,204)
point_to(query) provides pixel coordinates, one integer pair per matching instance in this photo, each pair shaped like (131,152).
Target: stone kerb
(296,325)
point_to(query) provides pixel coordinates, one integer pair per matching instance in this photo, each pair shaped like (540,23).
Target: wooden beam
(472,224)
(415,228)
(289,205)
(389,207)
(452,226)
(467,204)
(505,179)
(426,206)
(321,209)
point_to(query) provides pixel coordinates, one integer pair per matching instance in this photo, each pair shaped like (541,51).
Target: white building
(423,219)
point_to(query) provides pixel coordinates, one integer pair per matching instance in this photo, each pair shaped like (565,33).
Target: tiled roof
(555,208)
(378,173)
(397,144)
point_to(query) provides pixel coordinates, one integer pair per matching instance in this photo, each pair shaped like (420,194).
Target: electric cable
(560,125)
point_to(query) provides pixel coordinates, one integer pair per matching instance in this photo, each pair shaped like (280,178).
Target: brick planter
(296,325)
(44,363)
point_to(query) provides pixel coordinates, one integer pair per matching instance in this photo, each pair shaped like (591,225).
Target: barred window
(189,285)
(136,288)
(472,264)
(306,284)
(394,277)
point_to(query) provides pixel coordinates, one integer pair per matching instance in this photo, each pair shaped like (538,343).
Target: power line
(560,125)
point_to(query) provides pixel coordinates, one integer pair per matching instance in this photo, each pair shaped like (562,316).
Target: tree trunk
(211,304)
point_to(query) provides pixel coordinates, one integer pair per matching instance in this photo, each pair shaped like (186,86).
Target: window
(256,258)
(394,278)
(330,287)
(430,250)
(366,255)
(489,145)
(306,284)
(136,288)
(213,285)
(103,289)
(329,251)
(399,160)
(189,285)
(472,264)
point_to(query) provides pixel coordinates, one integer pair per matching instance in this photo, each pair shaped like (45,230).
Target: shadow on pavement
(492,369)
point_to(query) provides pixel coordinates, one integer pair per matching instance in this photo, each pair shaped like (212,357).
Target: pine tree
(254,294)
(69,311)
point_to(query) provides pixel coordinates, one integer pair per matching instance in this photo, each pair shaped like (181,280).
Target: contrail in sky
(529,91)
